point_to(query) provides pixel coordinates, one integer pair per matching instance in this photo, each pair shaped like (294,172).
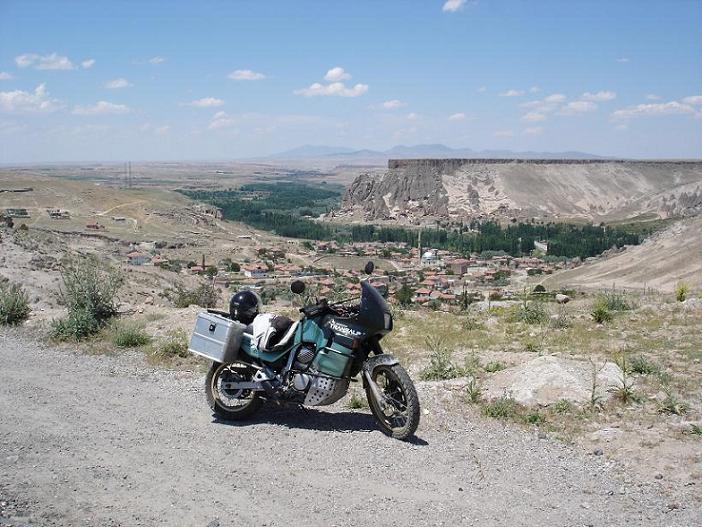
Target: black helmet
(244,306)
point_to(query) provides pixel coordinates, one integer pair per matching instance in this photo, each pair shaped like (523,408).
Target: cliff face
(427,190)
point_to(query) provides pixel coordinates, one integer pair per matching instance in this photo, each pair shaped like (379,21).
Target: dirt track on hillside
(95,440)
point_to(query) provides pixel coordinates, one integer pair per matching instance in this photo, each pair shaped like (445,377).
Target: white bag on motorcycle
(216,337)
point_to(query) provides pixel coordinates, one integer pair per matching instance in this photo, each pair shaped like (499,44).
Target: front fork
(368,366)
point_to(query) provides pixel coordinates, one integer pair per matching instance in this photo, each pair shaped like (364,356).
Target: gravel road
(96,440)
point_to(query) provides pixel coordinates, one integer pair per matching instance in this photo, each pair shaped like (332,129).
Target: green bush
(600,312)
(530,313)
(126,334)
(615,301)
(644,366)
(79,325)
(503,408)
(205,295)
(173,344)
(441,366)
(681,291)
(90,293)
(14,304)
(492,367)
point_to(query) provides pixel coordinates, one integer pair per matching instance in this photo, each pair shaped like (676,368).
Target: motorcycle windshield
(373,307)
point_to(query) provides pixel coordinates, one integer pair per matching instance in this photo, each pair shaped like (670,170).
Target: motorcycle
(313,363)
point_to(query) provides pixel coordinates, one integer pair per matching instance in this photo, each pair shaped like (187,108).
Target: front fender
(379,360)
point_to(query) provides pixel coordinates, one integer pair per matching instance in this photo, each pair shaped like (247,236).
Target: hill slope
(426,190)
(671,256)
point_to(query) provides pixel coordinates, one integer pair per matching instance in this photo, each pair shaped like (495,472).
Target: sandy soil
(110,441)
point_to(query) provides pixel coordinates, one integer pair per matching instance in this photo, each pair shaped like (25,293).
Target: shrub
(14,304)
(503,408)
(471,324)
(90,293)
(129,335)
(625,392)
(356,402)
(492,367)
(561,320)
(681,291)
(473,391)
(600,312)
(696,430)
(205,295)
(534,417)
(644,366)
(173,344)
(615,301)
(563,406)
(671,404)
(79,325)
(441,366)
(531,313)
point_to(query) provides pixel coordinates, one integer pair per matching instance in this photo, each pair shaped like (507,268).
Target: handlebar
(323,306)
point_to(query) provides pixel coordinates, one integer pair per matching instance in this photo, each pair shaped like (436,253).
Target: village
(428,277)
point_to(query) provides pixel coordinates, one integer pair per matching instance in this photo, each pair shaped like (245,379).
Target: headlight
(388,321)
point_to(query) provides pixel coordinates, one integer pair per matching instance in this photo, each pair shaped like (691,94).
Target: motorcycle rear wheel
(227,404)
(400,416)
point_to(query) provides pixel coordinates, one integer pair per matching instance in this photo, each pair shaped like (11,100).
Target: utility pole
(419,246)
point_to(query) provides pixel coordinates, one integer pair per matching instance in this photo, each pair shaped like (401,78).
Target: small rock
(658,476)
(598,452)
(562,299)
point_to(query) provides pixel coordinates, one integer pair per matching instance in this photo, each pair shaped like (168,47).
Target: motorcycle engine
(304,357)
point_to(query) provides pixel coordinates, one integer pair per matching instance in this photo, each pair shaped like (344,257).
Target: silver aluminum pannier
(216,337)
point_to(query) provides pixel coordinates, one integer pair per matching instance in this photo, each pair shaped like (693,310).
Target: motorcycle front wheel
(398,414)
(227,403)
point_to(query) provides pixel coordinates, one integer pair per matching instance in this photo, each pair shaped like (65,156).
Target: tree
(404,295)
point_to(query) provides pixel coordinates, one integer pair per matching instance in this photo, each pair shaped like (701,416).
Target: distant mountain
(312,151)
(350,156)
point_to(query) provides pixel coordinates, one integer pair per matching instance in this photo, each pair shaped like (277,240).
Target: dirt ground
(109,440)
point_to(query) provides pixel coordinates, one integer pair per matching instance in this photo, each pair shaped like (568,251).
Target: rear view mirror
(297,287)
(368,269)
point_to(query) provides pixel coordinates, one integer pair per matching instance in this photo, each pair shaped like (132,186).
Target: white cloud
(87,64)
(246,75)
(162,130)
(5,76)
(116,84)
(156,60)
(205,102)
(482,89)
(555,98)
(52,61)
(221,120)
(623,60)
(512,93)
(534,116)
(451,6)
(600,96)
(460,116)
(336,74)
(412,116)
(534,130)
(693,100)
(653,97)
(534,89)
(504,133)
(334,89)
(653,110)
(578,107)
(544,106)
(393,104)
(19,101)
(101,108)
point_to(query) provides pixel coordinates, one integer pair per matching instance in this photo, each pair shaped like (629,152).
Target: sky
(173,80)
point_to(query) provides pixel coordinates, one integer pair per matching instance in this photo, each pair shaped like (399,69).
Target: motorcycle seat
(286,337)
